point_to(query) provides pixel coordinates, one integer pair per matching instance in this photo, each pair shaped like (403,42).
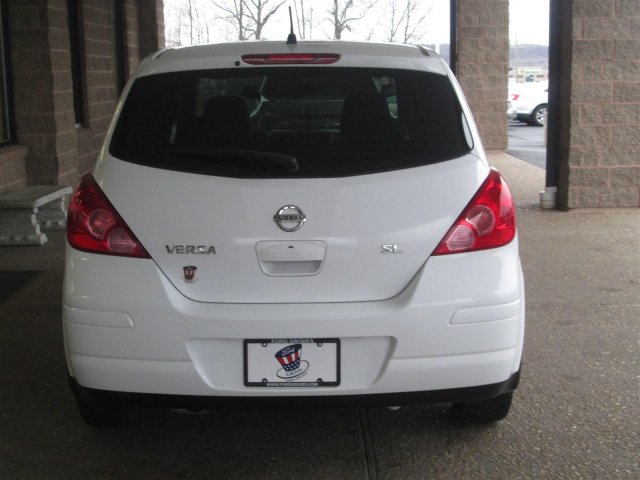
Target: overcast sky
(529,21)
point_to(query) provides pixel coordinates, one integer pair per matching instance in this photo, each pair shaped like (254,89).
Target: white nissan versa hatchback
(291,224)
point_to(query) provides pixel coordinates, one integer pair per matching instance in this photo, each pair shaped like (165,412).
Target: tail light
(514,97)
(489,221)
(93,225)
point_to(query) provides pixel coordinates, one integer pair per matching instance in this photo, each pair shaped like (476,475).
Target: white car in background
(528,102)
(306,223)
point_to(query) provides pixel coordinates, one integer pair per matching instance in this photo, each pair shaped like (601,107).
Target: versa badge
(191,249)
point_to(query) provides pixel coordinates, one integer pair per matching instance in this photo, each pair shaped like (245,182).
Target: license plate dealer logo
(292,364)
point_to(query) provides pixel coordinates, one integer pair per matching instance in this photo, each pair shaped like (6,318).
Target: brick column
(130,20)
(100,90)
(144,29)
(43,88)
(13,170)
(482,65)
(151,26)
(604,140)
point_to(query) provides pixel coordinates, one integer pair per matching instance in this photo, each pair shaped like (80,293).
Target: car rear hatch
(291,183)
(364,237)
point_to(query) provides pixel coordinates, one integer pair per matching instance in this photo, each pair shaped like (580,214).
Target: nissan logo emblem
(290,218)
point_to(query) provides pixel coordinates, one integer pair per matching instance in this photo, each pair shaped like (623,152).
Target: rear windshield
(290,122)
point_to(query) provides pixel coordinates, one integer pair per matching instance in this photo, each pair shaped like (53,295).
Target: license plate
(292,362)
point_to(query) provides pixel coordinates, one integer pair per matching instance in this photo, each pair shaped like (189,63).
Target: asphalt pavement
(575,415)
(527,143)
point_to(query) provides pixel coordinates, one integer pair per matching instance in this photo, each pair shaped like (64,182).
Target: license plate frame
(318,365)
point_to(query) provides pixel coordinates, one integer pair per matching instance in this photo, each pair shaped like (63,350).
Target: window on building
(6,118)
(77,64)
(120,49)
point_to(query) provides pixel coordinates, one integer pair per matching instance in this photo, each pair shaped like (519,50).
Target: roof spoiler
(160,52)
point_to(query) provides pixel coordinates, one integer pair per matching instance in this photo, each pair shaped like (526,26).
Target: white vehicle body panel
(347,214)
(445,330)
(352,54)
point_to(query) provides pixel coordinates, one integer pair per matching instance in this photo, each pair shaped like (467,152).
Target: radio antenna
(291,39)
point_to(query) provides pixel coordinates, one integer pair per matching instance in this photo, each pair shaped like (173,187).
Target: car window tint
(334,121)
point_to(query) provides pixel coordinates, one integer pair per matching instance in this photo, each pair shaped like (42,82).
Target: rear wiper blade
(280,161)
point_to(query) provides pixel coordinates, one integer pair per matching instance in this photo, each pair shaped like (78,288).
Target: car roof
(352,54)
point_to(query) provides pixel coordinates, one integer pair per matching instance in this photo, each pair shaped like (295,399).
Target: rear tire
(483,411)
(100,412)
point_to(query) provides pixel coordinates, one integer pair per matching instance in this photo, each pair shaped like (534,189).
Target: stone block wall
(43,106)
(142,16)
(132,42)
(151,19)
(13,168)
(101,92)
(482,65)
(604,139)
(51,148)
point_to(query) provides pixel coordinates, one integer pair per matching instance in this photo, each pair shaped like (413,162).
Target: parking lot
(575,415)
(527,143)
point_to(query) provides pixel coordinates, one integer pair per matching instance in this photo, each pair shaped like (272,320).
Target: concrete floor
(575,415)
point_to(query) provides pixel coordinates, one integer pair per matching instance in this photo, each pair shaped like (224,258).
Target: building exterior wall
(599,158)
(482,65)
(13,168)
(101,91)
(50,147)
(132,41)
(39,60)
(151,20)
(604,138)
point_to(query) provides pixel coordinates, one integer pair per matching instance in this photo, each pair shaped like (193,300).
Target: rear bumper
(458,325)
(385,399)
